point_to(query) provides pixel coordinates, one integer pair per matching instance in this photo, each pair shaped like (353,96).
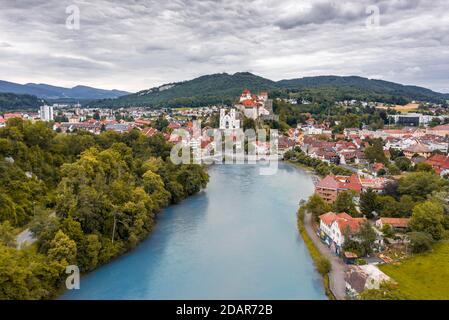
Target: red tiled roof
(328,182)
(438,162)
(418,148)
(353,224)
(344,221)
(396,222)
(248,103)
(174,125)
(444,127)
(328,218)
(341,183)
(149,132)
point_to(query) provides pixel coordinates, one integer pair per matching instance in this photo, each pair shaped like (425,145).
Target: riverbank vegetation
(297,156)
(322,264)
(86,198)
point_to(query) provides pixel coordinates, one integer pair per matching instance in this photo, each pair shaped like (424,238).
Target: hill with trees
(225,88)
(11,101)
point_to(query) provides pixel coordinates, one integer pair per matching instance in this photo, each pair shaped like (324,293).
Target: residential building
(440,163)
(46,113)
(361,278)
(399,224)
(334,227)
(329,188)
(419,149)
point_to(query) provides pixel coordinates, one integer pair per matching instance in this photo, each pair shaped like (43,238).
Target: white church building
(228,120)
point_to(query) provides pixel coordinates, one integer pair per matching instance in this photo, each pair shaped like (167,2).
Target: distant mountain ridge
(225,88)
(46,91)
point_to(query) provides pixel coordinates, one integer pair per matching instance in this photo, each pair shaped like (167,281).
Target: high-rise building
(46,113)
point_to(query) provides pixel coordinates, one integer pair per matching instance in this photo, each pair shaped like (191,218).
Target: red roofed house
(397,223)
(142,122)
(439,163)
(418,149)
(2,122)
(329,188)
(174,125)
(150,132)
(442,131)
(334,227)
(12,115)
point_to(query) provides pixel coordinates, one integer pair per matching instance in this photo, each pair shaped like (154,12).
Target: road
(337,275)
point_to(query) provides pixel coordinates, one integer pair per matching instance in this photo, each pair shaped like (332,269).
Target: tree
(394,170)
(406,205)
(345,203)
(375,152)
(388,206)
(88,252)
(420,241)
(367,237)
(249,123)
(420,184)
(323,266)
(428,217)
(403,163)
(424,167)
(317,206)
(368,203)
(388,230)
(7,234)
(62,248)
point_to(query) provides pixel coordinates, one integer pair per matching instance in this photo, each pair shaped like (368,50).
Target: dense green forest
(70,190)
(225,88)
(11,101)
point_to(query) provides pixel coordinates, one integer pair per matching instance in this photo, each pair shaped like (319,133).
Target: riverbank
(328,265)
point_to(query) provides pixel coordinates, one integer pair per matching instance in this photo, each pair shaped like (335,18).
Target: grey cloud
(137,44)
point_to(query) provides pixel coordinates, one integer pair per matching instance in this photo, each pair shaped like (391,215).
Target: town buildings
(255,106)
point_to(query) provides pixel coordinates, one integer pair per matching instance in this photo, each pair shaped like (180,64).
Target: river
(237,239)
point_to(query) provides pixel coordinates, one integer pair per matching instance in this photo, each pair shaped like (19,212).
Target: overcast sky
(137,44)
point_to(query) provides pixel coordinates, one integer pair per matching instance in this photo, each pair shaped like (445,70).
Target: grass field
(404,109)
(423,277)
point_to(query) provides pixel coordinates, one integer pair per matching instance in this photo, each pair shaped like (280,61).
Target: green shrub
(420,242)
(323,265)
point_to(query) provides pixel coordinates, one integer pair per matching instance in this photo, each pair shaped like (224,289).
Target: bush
(360,262)
(323,266)
(420,241)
